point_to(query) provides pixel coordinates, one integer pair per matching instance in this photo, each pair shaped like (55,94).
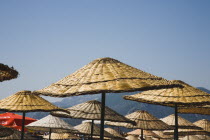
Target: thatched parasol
(163,136)
(62,136)
(25,101)
(17,135)
(190,137)
(144,121)
(183,123)
(205,110)
(174,97)
(145,133)
(91,110)
(7,73)
(105,75)
(184,132)
(85,128)
(51,124)
(204,123)
(4,131)
(114,133)
(131,137)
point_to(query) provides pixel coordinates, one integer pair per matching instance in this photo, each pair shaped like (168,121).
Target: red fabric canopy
(14,120)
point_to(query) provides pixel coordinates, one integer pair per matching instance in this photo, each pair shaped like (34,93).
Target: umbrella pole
(50,134)
(142,135)
(176,135)
(92,125)
(23,125)
(103,99)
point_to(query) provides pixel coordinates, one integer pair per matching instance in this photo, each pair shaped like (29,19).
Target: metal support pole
(92,125)
(23,126)
(142,134)
(50,134)
(176,135)
(103,100)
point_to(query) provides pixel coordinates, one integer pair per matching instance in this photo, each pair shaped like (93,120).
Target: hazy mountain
(117,103)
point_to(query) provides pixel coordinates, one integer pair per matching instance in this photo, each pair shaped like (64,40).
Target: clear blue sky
(46,40)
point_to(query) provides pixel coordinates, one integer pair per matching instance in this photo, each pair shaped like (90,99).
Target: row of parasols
(139,120)
(107,75)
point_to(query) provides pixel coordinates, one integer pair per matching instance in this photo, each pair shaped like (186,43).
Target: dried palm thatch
(143,120)
(203,137)
(51,123)
(163,136)
(91,110)
(114,133)
(4,131)
(132,137)
(183,123)
(186,96)
(205,110)
(145,133)
(184,132)
(190,137)
(16,136)
(7,73)
(204,123)
(105,75)
(85,128)
(61,136)
(25,101)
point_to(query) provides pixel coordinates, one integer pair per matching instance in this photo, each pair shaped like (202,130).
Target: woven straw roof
(145,133)
(205,110)
(17,135)
(91,110)
(85,128)
(163,136)
(51,122)
(61,136)
(132,137)
(25,101)
(190,137)
(4,131)
(183,123)
(105,75)
(204,123)
(184,132)
(143,120)
(203,137)
(187,95)
(114,133)
(7,73)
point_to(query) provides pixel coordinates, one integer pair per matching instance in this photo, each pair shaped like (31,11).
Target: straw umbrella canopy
(144,121)
(203,137)
(184,132)
(62,136)
(25,101)
(16,136)
(204,110)
(114,133)
(7,73)
(204,123)
(183,123)
(173,97)
(85,128)
(131,137)
(190,137)
(146,133)
(51,124)
(4,131)
(91,110)
(162,135)
(105,75)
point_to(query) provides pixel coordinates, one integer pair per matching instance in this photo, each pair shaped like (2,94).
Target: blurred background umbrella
(173,97)
(61,136)
(145,133)
(91,110)
(105,75)
(7,73)
(85,128)
(114,133)
(144,121)
(25,101)
(51,124)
